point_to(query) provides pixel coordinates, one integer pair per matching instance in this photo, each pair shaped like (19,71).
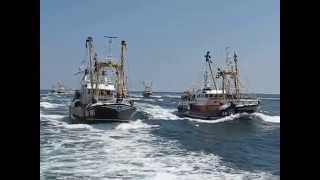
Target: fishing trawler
(211,102)
(58,88)
(147,89)
(99,99)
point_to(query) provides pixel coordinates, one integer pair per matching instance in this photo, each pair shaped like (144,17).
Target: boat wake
(48,105)
(50,116)
(89,153)
(266,118)
(223,119)
(138,124)
(129,150)
(158,112)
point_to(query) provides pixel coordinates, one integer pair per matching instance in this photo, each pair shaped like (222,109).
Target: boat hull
(103,113)
(247,109)
(147,94)
(216,114)
(204,116)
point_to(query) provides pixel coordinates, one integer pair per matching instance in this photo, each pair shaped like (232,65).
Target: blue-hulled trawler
(99,99)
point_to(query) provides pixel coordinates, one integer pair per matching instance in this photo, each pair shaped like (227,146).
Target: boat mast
(90,47)
(205,78)
(208,60)
(124,77)
(96,70)
(120,73)
(228,68)
(236,79)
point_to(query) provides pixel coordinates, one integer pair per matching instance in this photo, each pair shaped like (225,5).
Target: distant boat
(99,99)
(211,102)
(147,89)
(59,88)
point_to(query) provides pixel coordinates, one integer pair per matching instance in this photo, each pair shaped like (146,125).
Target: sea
(158,144)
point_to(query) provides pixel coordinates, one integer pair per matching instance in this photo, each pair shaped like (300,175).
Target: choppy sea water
(159,144)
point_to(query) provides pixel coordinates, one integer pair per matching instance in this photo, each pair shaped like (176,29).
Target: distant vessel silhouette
(147,89)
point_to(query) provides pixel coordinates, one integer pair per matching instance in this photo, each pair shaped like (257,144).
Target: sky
(167,40)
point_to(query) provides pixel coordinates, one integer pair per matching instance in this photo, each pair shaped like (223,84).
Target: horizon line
(180,91)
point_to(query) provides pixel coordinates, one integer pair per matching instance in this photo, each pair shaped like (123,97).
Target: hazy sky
(166,39)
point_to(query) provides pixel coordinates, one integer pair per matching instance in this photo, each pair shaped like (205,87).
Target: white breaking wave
(267,118)
(49,105)
(138,124)
(119,154)
(56,120)
(261,116)
(81,151)
(51,116)
(158,112)
(172,96)
(77,126)
(150,100)
(223,119)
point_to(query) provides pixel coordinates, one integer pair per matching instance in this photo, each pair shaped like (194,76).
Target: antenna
(110,42)
(228,58)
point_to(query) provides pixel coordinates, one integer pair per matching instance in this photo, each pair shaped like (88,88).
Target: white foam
(172,96)
(49,105)
(166,176)
(156,96)
(77,126)
(149,100)
(277,99)
(51,116)
(267,118)
(45,98)
(134,155)
(97,154)
(158,112)
(223,119)
(217,176)
(138,124)
(55,119)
